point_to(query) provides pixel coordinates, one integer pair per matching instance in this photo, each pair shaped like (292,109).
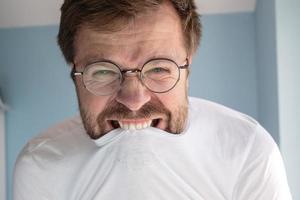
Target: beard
(96,126)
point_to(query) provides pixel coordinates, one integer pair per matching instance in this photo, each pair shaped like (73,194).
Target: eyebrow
(92,58)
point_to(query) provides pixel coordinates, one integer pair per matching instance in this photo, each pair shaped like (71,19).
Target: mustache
(116,110)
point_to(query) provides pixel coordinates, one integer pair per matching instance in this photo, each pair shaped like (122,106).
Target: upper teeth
(135,125)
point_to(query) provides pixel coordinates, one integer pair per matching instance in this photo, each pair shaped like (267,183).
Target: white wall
(16,13)
(288,54)
(2,154)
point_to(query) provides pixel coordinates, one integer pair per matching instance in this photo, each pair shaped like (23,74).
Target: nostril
(133,102)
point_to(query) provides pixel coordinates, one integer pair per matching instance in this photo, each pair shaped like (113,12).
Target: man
(139,135)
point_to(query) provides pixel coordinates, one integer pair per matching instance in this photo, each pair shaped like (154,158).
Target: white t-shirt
(222,154)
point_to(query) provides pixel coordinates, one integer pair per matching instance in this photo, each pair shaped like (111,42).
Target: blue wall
(224,69)
(34,78)
(35,83)
(267,66)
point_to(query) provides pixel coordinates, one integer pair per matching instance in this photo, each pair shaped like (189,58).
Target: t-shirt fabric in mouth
(221,155)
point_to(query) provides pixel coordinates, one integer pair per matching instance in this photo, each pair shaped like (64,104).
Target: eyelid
(100,60)
(162,64)
(102,66)
(93,61)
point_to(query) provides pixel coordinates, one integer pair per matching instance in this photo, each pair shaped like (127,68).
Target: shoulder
(58,141)
(229,131)
(59,136)
(240,140)
(220,116)
(213,109)
(54,146)
(50,155)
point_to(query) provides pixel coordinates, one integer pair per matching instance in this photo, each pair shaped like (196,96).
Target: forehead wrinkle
(145,37)
(134,37)
(145,27)
(89,39)
(131,53)
(130,49)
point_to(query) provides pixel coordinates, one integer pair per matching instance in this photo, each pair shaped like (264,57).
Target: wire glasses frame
(148,75)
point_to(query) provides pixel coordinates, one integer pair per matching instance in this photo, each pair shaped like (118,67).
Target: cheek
(94,105)
(89,102)
(176,97)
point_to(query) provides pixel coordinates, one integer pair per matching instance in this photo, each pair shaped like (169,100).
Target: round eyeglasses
(103,78)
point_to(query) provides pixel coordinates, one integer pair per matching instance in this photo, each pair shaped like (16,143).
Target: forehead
(156,33)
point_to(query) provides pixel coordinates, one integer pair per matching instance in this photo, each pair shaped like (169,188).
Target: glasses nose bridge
(132,73)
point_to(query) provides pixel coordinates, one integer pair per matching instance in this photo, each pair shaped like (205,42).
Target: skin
(153,35)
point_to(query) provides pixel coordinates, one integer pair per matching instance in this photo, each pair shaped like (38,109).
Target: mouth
(135,124)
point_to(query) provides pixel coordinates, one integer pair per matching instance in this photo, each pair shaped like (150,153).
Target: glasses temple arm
(75,73)
(186,65)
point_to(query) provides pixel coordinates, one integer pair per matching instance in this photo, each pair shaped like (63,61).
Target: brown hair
(110,15)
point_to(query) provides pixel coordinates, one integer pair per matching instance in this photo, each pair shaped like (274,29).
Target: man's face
(156,35)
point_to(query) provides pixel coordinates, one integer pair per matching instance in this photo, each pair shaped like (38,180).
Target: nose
(133,94)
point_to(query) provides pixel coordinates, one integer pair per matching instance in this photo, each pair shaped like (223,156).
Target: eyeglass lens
(105,78)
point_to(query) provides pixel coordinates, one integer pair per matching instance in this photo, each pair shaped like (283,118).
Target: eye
(104,75)
(158,70)
(103,72)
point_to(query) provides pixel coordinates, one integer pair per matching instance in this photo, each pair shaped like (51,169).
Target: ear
(72,72)
(190,58)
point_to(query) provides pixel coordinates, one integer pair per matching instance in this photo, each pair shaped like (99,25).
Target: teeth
(132,127)
(135,126)
(145,125)
(139,126)
(126,126)
(149,123)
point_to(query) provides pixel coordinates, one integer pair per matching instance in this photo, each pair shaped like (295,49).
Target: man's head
(101,38)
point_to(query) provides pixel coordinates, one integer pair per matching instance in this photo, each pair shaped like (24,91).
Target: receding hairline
(120,23)
(115,15)
(106,37)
